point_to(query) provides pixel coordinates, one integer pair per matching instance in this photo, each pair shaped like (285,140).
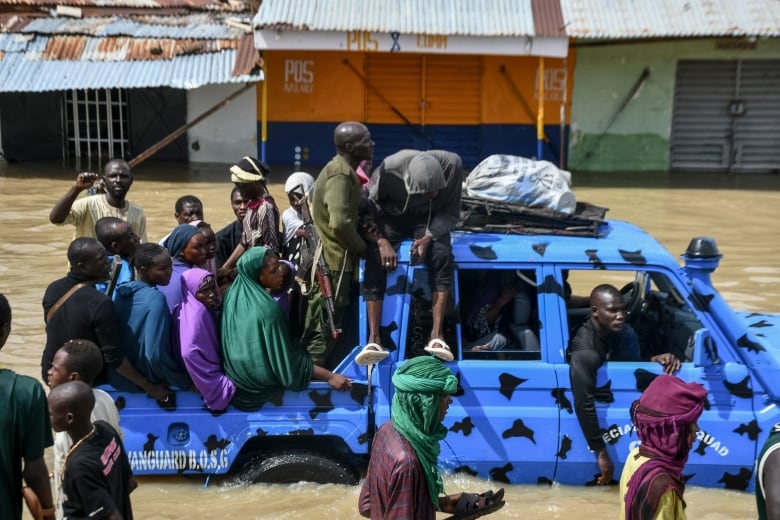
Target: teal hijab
(259,355)
(418,384)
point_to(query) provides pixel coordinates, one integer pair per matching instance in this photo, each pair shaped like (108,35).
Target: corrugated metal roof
(19,74)
(227,5)
(609,19)
(450,17)
(199,25)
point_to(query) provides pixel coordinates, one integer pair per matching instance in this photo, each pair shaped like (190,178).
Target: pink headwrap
(663,417)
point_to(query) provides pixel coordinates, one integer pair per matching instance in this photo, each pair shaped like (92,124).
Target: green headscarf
(259,355)
(418,384)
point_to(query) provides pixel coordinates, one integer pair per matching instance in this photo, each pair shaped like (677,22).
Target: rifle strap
(59,303)
(341,273)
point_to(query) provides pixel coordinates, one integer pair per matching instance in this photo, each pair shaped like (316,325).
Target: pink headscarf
(663,417)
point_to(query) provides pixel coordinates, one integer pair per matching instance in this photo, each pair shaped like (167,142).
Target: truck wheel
(292,466)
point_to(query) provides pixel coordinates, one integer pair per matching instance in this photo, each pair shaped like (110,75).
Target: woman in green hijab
(259,356)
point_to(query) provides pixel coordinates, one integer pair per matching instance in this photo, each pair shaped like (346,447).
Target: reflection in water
(740,212)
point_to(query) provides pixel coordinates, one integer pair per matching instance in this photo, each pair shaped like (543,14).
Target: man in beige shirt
(85,212)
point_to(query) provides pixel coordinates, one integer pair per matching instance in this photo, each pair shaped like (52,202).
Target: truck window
(660,317)
(498,314)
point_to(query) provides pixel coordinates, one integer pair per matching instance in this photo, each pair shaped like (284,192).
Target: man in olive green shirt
(334,208)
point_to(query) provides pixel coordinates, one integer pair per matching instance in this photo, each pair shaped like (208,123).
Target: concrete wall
(638,138)
(229,133)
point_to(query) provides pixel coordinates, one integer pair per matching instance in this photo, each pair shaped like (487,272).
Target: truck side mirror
(705,351)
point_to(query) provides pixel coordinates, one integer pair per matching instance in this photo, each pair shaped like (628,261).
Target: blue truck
(512,419)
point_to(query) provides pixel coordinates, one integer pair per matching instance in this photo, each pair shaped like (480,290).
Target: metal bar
(182,129)
(540,113)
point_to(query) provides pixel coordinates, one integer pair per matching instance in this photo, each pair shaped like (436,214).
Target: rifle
(113,275)
(321,269)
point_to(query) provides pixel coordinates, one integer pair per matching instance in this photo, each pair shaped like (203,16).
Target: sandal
(468,508)
(439,349)
(371,354)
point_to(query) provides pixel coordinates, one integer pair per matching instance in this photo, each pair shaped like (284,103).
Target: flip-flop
(371,354)
(439,349)
(467,507)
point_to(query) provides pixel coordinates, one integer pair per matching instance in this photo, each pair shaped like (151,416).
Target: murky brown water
(740,212)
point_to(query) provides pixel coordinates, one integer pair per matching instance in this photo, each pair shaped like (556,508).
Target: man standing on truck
(403,479)
(603,337)
(334,209)
(416,195)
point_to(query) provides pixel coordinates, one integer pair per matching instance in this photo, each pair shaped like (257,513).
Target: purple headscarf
(663,417)
(199,341)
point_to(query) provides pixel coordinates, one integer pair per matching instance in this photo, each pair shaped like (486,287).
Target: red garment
(261,224)
(395,487)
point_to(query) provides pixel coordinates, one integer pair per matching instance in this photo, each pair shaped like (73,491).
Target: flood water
(741,213)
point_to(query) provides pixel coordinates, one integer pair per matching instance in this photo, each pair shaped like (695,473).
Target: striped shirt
(395,486)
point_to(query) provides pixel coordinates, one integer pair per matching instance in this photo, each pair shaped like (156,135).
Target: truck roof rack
(489,216)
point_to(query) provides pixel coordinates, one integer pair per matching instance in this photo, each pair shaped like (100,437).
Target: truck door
(503,424)
(664,321)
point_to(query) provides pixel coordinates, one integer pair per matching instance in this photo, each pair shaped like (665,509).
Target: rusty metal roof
(126,44)
(446,17)
(630,19)
(19,74)
(213,5)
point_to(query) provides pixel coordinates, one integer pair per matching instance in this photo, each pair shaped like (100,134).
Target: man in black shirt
(605,336)
(96,476)
(74,309)
(230,236)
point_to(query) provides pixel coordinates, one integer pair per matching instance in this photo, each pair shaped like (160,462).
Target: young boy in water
(96,476)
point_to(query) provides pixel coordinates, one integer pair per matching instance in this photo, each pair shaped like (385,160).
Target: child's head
(208,293)
(286,269)
(76,360)
(70,406)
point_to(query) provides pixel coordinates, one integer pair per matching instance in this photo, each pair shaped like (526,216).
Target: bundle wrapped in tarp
(521,181)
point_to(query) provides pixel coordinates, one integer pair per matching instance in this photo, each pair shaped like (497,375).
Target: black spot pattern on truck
(686,478)
(561,400)
(750,345)
(307,431)
(519,429)
(465,426)
(540,249)
(385,337)
(740,389)
(359,392)
(711,349)
(499,473)
(700,302)
(543,481)
(398,287)
(149,444)
(323,403)
(466,470)
(565,447)
(212,443)
(739,481)
(120,403)
(508,384)
(701,448)
(606,434)
(363,438)
(754,314)
(603,393)
(643,378)
(483,253)
(261,432)
(752,429)
(633,257)
(459,391)
(594,259)
(550,286)
(761,324)
(183,463)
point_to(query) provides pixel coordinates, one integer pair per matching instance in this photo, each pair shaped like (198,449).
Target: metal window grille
(96,124)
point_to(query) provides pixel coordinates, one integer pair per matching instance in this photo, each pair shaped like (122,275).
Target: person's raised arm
(61,208)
